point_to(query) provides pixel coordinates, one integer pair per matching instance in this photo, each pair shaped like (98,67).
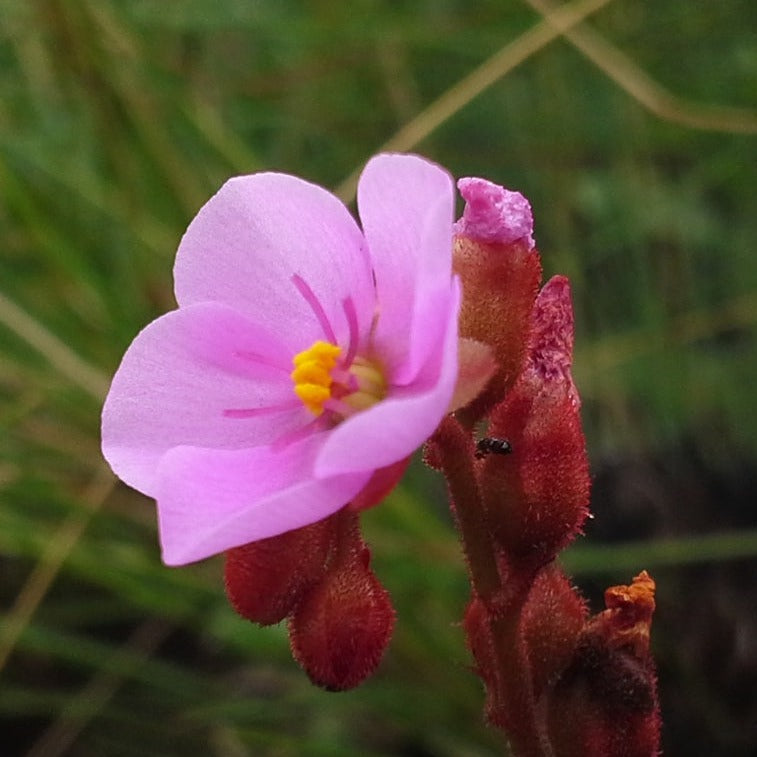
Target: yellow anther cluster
(312,374)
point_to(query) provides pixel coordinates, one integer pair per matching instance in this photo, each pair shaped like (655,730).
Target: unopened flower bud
(552,620)
(537,496)
(342,626)
(265,579)
(500,271)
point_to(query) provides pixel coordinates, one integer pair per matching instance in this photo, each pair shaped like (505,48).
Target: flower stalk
(552,674)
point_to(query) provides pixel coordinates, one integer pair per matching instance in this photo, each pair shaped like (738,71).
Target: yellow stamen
(324,352)
(312,374)
(312,396)
(358,386)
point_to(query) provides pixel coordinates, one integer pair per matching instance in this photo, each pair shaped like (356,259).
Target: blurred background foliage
(635,141)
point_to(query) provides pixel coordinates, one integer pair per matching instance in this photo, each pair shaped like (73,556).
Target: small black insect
(492,444)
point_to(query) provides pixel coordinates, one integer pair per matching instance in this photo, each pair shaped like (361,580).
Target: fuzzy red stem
(505,604)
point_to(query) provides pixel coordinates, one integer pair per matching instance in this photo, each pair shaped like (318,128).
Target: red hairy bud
(500,282)
(341,627)
(267,578)
(552,620)
(340,630)
(537,497)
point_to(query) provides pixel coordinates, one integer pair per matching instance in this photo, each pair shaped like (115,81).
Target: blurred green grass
(119,118)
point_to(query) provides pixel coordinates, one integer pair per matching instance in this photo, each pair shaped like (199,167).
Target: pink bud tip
(552,338)
(494,214)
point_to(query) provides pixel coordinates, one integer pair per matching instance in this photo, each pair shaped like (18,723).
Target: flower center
(322,384)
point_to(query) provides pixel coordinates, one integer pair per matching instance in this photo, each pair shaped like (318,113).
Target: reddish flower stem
(455,450)
(513,698)
(525,731)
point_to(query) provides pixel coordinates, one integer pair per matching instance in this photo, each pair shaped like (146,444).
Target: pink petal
(406,206)
(476,365)
(211,500)
(254,235)
(494,214)
(398,425)
(178,378)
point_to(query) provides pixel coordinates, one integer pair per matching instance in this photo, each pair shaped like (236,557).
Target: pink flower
(304,357)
